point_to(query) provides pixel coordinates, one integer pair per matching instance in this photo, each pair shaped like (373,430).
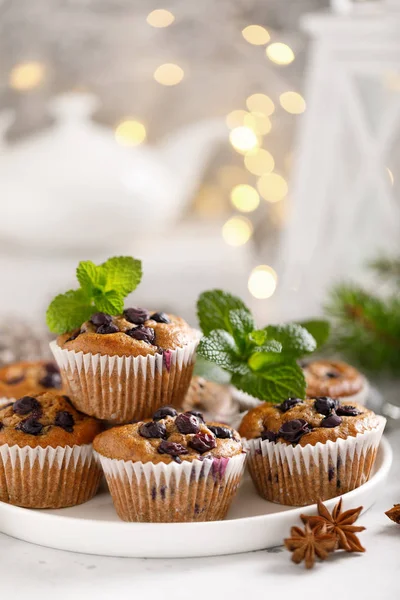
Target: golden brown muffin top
(47,419)
(307,421)
(332,378)
(29,377)
(170,436)
(137,332)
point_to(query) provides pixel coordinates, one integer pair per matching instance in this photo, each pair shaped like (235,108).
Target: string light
(272,187)
(259,161)
(245,198)
(130,133)
(169,74)
(391,177)
(236,118)
(258,122)
(160,18)
(243,139)
(279,53)
(230,175)
(262,282)
(292,102)
(256,35)
(27,76)
(237,231)
(260,103)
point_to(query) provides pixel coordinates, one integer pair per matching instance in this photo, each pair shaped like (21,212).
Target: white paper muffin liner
(300,475)
(4,401)
(48,477)
(122,389)
(189,491)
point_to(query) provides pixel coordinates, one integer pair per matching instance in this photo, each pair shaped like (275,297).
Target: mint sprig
(261,362)
(102,288)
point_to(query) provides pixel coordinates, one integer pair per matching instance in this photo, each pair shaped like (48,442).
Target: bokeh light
(259,161)
(26,76)
(130,133)
(160,18)
(245,198)
(210,201)
(256,34)
(259,122)
(260,103)
(236,118)
(237,231)
(272,187)
(280,54)
(292,102)
(169,74)
(243,139)
(262,282)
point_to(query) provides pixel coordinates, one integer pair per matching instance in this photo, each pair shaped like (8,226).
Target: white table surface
(29,571)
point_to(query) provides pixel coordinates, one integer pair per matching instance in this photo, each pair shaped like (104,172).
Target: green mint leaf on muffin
(274,384)
(296,340)
(213,309)
(102,289)
(220,348)
(319,329)
(210,371)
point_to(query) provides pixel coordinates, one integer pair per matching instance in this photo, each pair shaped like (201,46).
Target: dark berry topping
(65,420)
(153,430)
(51,380)
(25,405)
(1,426)
(331,421)
(165,411)
(74,336)
(137,316)
(347,411)
(51,368)
(292,431)
(197,414)
(15,380)
(101,318)
(269,435)
(288,404)
(145,334)
(171,448)
(160,317)
(104,329)
(221,432)
(325,405)
(202,442)
(31,426)
(332,375)
(187,423)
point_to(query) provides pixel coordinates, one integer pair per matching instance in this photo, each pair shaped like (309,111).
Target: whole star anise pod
(394,513)
(338,523)
(308,543)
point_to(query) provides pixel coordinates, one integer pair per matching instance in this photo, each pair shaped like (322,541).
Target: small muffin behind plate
(28,377)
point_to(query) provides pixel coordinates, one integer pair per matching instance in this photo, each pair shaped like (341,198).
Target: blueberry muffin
(213,400)
(46,456)
(302,450)
(335,379)
(28,377)
(173,468)
(122,368)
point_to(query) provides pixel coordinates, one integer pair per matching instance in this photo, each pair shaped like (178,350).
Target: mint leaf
(213,309)
(90,276)
(110,302)
(210,371)
(258,336)
(319,329)
(263,356)
(241,323)
(122,274)
(275,384)
(220,348)
(296,340)
(68,311)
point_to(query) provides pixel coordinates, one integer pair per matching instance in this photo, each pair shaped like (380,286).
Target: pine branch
(387,268)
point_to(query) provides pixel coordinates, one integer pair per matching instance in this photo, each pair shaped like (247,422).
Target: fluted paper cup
(121,389)
(201,490)
(48,477)
(300,475)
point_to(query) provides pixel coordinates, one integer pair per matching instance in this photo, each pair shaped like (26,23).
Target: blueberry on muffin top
(27,377)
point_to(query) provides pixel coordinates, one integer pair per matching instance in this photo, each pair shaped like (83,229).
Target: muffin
(28,377)
(122,368)
(213,400)
(46,456)
(303,450)
(335,379)
(173,468)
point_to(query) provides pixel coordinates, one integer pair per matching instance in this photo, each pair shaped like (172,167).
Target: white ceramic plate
(252,524)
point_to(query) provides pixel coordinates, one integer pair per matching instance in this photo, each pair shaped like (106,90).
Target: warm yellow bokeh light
(130,133)
(236,118)
(231,175)
(243,139)
(258,122)
(169,74)
(292,102)
(160,18)
(272,187)
(27,76)
(210,201)
(391,177)
(259,161)
(279,53)
(260,103)
(255,34)
(237,231)
(245,198)
(262,282)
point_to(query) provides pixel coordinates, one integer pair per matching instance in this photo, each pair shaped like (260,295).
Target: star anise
(338,523)
(394,513)
(307,543)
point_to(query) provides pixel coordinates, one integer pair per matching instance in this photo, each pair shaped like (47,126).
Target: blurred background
(243,144)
